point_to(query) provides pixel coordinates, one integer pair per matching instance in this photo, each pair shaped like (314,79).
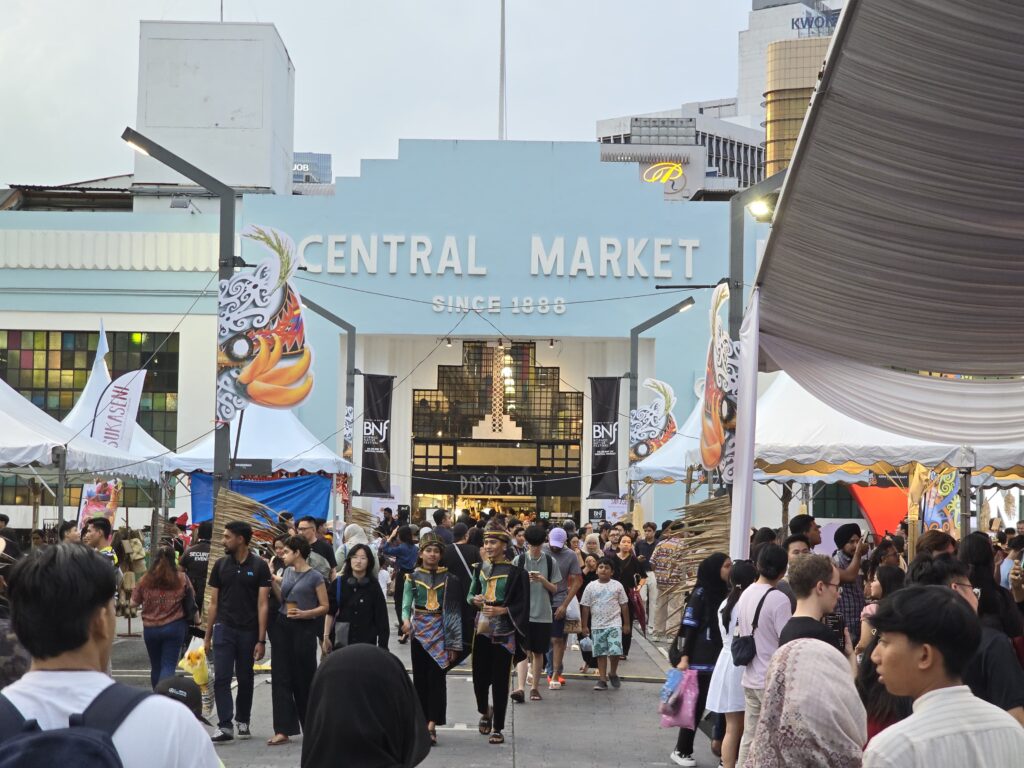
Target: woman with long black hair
(996,608)
(358,610)
(699,640)
(725,694)
(630,573)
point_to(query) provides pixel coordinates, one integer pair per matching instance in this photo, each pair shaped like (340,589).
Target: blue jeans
(163,644)
(232,657)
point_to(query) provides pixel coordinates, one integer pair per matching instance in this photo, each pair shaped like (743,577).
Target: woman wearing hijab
(811,715)
(725,694)
(363,713)
(432,615)
(699,640)
(500,591)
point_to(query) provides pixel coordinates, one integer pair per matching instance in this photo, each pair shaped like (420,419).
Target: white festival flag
(114,421)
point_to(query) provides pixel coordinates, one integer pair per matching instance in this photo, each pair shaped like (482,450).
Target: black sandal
(519,697)
(496,738)
(484,725)
(433,736)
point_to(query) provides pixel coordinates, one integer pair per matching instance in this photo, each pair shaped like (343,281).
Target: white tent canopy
(29,435)
(143,445)
(796,428)
(267,433)
(885,260)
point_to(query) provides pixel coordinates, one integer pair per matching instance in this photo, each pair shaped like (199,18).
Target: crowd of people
(860,658)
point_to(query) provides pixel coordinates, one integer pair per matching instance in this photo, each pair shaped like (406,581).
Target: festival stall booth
(303,471)
(35,445)
(802,440)
(890,288)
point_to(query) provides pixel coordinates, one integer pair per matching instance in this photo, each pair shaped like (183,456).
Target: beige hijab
(811,715)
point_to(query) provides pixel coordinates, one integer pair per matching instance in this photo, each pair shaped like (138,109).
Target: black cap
(185,690)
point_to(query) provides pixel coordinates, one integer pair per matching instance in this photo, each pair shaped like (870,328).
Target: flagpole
(501,78)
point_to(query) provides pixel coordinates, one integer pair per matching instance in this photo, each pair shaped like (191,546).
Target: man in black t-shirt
(307,530)
(236,627)
(815,582)
(196,559)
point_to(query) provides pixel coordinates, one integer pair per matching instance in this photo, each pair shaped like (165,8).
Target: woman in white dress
(725,695)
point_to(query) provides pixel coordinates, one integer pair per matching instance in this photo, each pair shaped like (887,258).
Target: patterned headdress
(431,539)
(495,530)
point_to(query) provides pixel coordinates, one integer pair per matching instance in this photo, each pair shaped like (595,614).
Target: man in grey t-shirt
(565,590)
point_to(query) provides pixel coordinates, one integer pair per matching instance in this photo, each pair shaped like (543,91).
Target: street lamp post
(737,222)
(350,366)
(225,268)
(634,364)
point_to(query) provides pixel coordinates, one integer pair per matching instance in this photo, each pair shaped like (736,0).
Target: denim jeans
(163,644)
(232,657)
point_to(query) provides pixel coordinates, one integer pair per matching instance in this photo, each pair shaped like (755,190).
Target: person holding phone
(850,550)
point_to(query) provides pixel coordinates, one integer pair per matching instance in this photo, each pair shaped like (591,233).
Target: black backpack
(86,742)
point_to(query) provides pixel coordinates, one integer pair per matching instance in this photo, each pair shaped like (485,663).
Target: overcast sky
(368,72)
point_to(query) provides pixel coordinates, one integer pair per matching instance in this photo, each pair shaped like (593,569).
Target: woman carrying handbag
(358,610)
(630,573)
(699,641)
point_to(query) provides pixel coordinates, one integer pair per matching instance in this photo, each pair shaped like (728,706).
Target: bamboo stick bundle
(230,507)
(360,517)
(704,528)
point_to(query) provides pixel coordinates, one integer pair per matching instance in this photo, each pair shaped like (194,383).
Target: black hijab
(709,576)
(363,713)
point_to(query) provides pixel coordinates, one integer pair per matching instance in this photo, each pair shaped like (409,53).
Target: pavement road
(575,726)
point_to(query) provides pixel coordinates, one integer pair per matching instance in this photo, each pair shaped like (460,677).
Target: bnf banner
(376,436)
(604,443)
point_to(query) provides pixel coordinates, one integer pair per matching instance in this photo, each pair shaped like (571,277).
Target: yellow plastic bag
(194,662)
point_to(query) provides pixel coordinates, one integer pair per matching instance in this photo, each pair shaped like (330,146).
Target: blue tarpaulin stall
(306,495)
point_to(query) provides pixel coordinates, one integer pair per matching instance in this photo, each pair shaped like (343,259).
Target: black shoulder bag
(743,647)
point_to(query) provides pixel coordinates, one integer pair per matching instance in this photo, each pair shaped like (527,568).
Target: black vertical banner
(376,477)
(604,443)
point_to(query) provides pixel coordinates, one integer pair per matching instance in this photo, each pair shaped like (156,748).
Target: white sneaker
(686,761)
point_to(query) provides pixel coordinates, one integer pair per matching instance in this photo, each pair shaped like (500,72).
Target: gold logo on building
(662,173)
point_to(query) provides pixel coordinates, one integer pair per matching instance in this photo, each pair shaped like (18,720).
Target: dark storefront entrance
(498,432)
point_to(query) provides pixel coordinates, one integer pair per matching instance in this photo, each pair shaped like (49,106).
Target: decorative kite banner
(653,425)
(263,357)
(718,422)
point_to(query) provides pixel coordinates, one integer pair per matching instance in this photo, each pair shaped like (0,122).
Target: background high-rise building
(792,73)
(700,140)
(769,22)
(311,168)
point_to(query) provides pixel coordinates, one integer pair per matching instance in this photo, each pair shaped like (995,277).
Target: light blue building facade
(539,244)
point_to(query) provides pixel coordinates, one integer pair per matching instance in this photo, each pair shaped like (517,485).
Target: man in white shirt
(62,601)
(926,636)
(775,613)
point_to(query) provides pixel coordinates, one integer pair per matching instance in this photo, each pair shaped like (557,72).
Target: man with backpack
(544,576)
(66,710)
